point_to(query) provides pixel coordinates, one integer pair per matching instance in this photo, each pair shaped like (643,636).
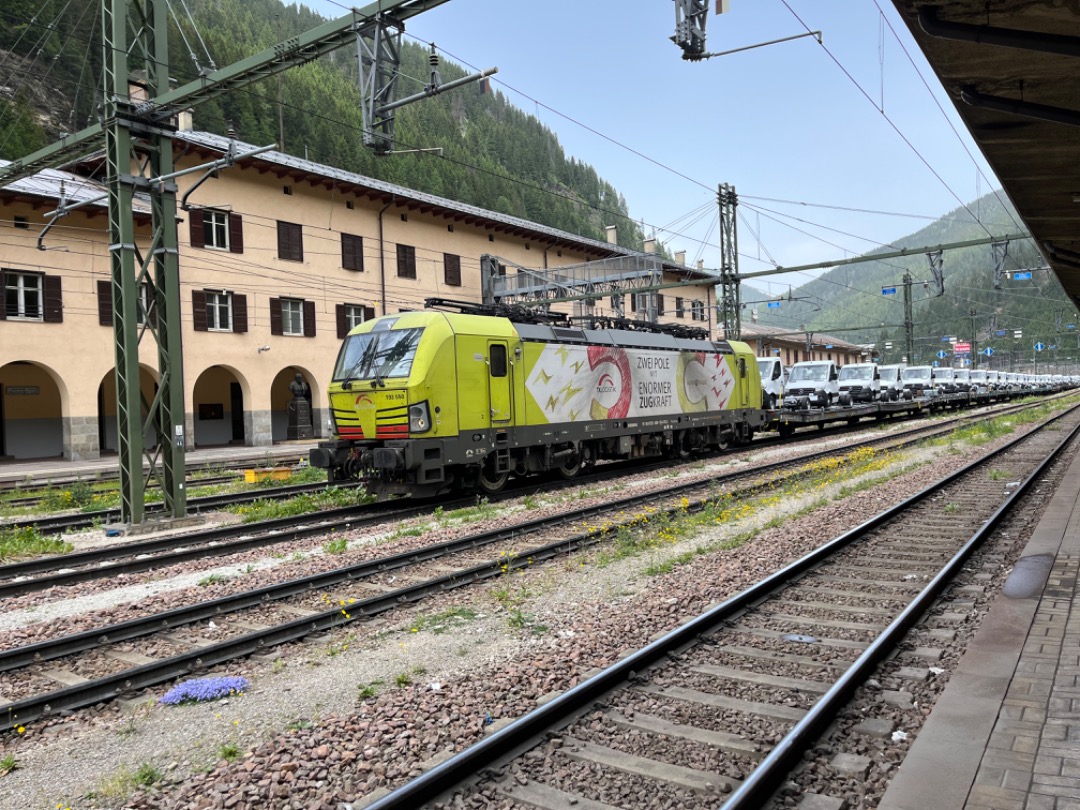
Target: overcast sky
(781,122)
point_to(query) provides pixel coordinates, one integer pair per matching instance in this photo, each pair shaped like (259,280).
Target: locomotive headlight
(419,418)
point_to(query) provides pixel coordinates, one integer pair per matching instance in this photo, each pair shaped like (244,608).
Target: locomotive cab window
(498,360)
(377,355)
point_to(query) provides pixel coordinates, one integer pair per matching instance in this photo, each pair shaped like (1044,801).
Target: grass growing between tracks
(987,430)
(270,508)
(86,496)
(28,542)
(654,530)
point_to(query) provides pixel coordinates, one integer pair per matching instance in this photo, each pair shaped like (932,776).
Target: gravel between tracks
(308,739)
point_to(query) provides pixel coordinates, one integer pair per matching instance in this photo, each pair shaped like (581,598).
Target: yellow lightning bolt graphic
(573,415)
(563,352)
(569,391)
(544,377)
(552,403)
(578,365)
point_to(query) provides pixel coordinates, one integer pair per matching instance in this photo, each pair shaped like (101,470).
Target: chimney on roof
(649,246)
(185,120)
(612,234)
(680,257)
(700,264)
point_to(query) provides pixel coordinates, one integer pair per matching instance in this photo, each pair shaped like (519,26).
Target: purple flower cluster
(198,690)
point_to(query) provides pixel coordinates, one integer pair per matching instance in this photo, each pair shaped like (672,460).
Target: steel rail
(761,782)
(254,535)
(61,523)
(523,732)
(85,694)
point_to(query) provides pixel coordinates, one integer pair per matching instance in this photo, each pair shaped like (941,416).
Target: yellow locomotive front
(410,401)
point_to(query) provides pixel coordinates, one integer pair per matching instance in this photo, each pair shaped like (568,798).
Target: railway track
(108,475)
(129,558)
(720,711)
(292,610)
(56,524)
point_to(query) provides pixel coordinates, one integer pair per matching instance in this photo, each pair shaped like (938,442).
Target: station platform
(1005,733)
(36,472)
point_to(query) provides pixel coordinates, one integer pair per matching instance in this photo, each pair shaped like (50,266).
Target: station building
(279,258)
(793,347)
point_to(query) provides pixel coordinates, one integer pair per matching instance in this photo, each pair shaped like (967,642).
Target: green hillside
(494,155)
(850,297)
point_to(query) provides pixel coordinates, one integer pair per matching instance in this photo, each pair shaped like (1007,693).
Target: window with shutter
(452,269)
(352,252)
(292,316)
(219,311)
(215,229)
(406,261)
(24,295)
(350,316)
(290,241)
(104,302)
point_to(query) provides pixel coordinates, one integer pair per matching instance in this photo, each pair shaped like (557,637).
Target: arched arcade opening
(31,412)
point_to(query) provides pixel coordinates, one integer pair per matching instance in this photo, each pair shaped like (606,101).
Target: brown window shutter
(3,301)
(633,302)
(239,313)
(276,327)
(352,252)
(198,310)
(452,269)
(369,313)
(236,233)
(342,322)
(283,240)
(309,319)
(197,223)
(104,302)
(54,300)
(659,304)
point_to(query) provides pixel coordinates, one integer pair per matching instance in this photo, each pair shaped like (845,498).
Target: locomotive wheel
(490,481)
(571,468)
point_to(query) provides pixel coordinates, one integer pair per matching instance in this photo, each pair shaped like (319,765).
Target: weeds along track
(723,710)
(106,661)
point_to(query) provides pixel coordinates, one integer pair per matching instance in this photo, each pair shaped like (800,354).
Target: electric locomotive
(430,401)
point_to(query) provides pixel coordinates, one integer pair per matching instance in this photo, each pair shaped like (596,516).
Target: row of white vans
(821,383)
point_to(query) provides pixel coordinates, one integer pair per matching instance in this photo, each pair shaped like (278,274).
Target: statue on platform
(300,410)
(300,388)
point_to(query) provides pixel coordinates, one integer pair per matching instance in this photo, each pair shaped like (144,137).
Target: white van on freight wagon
(773,380)
(892,381)
(918,381)
(812,382)
(859,382)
